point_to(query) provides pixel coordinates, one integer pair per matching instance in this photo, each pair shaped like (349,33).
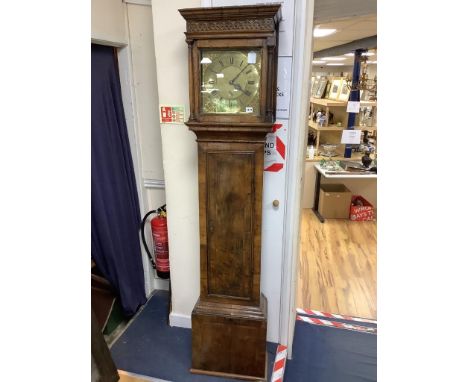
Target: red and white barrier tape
(335,324)
(280,364)
(311,312)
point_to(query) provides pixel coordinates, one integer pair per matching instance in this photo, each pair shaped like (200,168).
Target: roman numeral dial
(230,81)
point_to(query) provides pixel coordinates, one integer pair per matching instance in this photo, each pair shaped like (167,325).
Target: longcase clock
(232,78)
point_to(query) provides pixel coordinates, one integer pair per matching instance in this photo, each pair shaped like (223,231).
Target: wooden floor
(338,266)
(130,377)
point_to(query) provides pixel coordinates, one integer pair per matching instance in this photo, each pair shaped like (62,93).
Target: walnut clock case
(232,75)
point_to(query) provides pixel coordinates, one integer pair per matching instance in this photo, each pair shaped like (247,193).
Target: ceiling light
(318,62)
(335,64)
(351,54)
(334,58)
(318,32)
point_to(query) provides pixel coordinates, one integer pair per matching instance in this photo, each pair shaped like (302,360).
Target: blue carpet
(150,347)
(322,354)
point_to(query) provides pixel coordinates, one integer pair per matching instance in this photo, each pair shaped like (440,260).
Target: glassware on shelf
(329,152)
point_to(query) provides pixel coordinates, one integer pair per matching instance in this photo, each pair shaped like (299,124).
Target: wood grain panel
(338,266)
(218,179)
(229,340)
(231,188)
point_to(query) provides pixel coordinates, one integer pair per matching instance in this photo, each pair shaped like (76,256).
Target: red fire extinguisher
(160,241)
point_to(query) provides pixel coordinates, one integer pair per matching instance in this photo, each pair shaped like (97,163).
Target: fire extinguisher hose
(142,232)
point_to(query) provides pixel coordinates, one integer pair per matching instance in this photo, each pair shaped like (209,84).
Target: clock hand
(238,74)
(238,87)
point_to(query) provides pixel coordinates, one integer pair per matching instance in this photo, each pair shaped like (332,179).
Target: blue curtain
(115,213)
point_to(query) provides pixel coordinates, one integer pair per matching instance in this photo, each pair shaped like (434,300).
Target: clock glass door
(230,81)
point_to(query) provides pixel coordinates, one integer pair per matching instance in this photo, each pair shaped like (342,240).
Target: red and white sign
(275,149)
(280,364)
(362,212)
(171,114)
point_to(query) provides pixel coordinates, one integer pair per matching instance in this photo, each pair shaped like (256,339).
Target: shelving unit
(331,131)
(327,103)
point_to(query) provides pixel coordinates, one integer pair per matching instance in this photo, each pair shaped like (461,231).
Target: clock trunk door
(230,215)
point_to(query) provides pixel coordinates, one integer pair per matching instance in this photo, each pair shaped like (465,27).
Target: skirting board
(180,320)
(160,284)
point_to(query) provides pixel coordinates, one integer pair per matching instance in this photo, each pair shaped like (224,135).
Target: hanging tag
(351,137)
(353,107)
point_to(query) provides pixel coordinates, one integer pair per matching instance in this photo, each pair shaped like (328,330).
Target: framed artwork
(344,91)
(322,86)
(327,90)
(315,84)
(335,88)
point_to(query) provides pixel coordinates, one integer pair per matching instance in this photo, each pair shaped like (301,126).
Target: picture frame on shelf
(327,90)
(322,86)
(315,84)
(344,91)
(335,88)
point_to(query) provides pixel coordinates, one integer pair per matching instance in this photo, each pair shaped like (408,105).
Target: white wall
(140,21)
(129,27)
(145,112)
(180,159)
(108,24)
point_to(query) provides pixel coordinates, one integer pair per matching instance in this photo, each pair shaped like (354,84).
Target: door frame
(300,94)
(130,105)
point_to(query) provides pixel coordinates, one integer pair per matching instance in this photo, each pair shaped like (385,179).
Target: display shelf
(337,103)
(355,157)
(337,106)
(368,103)
(314,126)
(331,132)
(328,102)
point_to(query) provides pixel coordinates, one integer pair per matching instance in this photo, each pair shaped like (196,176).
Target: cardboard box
(363,212)
(334,202)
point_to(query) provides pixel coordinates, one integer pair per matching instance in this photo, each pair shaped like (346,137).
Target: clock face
(230,81)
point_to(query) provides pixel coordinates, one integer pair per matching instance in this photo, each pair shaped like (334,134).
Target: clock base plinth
(230,340)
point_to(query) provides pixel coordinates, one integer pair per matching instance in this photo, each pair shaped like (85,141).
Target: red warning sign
(275,150)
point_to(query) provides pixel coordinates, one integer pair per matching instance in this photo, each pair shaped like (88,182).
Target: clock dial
(230,81)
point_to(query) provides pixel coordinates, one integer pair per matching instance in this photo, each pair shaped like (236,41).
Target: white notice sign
(283,88)
(351,137)
(353,107)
